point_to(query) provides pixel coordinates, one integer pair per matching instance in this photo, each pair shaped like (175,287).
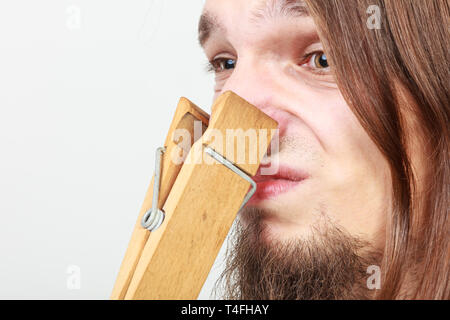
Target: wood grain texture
(185,115)
(199,210)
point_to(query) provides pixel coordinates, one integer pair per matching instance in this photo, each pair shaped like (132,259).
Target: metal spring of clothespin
(154,217)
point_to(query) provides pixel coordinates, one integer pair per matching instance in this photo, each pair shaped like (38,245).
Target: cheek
(348,146)
(335,123)
(356,176)
(342,137)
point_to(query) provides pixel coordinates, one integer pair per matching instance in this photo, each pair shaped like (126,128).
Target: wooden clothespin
(201,188)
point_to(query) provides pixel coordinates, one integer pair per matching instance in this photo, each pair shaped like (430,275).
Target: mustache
(282,144)
(289,144)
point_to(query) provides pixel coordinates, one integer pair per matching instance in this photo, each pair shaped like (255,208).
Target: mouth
(271,186)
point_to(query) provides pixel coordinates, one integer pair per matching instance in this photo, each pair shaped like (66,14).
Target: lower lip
(270,189)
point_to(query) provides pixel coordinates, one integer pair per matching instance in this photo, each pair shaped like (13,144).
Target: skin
(348,180)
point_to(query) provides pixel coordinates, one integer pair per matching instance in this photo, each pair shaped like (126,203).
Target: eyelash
(213,65)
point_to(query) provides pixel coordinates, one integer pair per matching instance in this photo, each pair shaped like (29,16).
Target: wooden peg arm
(185,115)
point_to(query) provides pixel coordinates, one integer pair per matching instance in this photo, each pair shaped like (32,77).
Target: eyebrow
(208,23)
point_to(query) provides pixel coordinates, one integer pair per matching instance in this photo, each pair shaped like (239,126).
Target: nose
(253,83)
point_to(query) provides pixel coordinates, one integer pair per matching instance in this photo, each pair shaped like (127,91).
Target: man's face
(331,173)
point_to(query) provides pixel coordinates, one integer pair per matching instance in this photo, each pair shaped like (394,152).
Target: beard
(329,265)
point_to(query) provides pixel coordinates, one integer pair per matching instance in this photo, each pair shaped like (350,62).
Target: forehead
(236,16)
(259,8)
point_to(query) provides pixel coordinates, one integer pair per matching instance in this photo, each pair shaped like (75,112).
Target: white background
(87,92)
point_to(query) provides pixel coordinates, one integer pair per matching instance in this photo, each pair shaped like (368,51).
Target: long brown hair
(389,75)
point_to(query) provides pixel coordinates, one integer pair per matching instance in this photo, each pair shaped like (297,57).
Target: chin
(271,225)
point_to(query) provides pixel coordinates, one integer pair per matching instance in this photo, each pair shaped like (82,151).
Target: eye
(221,64)
(317,61)
(320,60)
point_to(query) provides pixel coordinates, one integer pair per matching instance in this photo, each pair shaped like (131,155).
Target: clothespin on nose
(202,184)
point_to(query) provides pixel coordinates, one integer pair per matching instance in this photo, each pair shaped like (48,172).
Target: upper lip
(283,173)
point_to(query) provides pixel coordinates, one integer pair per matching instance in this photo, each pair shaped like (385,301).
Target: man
(354,210)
